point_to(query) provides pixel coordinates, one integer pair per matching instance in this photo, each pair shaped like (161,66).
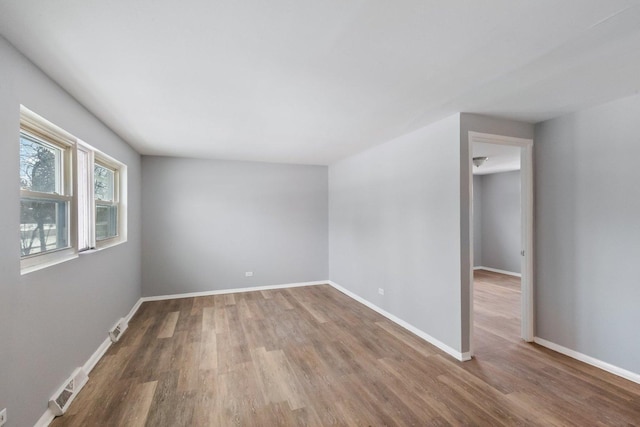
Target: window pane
(40,166)
(43,226)
(106,221)
(104,180)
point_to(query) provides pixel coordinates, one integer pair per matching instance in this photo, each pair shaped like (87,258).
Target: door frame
(526,226)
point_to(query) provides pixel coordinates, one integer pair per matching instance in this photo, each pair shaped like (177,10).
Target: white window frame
(86,209)
(40,129)
(78,216)
(120,197)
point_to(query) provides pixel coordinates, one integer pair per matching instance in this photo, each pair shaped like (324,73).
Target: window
(106,198)
(100,199)
(44,206)
(46,188)
(66,206)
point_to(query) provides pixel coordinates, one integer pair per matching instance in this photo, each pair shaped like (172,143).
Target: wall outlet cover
(248,274)
(381,291)
(3,417)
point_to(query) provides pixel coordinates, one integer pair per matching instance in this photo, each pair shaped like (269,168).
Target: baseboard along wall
(232,291)
(428,338)
(88,366)
(631,376)
(496,270)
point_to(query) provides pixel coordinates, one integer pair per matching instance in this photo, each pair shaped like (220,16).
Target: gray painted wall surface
(207,222)
(394,224)
(477,220)
(483,124)
(588,232)
(500,222)
(54,319)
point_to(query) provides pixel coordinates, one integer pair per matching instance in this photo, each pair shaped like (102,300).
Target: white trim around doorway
(526,176)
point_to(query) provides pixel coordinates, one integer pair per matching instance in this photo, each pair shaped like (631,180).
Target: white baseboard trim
(495,270)
(134,310)
(88,366)
(233,291)
(96,356)
(45,419)
(431,340)
(631,376)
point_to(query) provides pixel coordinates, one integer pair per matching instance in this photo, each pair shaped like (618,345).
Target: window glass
(105,195)
(106,221)
(43,225)
(44,210)
(40,165)
(104,183)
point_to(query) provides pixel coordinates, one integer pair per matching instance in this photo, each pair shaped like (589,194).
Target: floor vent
(65,395)
(118,329)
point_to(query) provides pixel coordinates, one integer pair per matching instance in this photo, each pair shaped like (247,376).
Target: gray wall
(588,232)
(207,222)
(54,319)
(483,124)
(394,224)
(477,220)
(500,221)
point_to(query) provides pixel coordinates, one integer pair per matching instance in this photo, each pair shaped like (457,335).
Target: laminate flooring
(497,309)
(313,356)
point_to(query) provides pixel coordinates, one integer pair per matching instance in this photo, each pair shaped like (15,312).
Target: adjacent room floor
(497,309)
(313,356)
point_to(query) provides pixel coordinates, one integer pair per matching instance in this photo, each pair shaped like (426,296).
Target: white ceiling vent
(118,329)
(61,400)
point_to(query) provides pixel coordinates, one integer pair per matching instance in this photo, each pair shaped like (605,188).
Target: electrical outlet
(3,417)
(381,291)
(248,274)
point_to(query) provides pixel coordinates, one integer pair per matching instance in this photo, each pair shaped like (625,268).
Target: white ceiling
(314,81)
(501,158)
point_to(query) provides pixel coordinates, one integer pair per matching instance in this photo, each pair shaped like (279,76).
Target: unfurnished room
(319,213)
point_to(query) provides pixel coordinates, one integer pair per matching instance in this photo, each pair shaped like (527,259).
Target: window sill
(64,257)
(46,264)
(103,247)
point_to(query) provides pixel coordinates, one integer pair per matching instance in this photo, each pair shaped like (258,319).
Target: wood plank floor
(313,356)
(496,312)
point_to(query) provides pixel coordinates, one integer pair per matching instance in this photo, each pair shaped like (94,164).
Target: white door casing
(526,225)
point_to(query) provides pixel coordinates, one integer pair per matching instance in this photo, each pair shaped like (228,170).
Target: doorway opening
(501,243)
